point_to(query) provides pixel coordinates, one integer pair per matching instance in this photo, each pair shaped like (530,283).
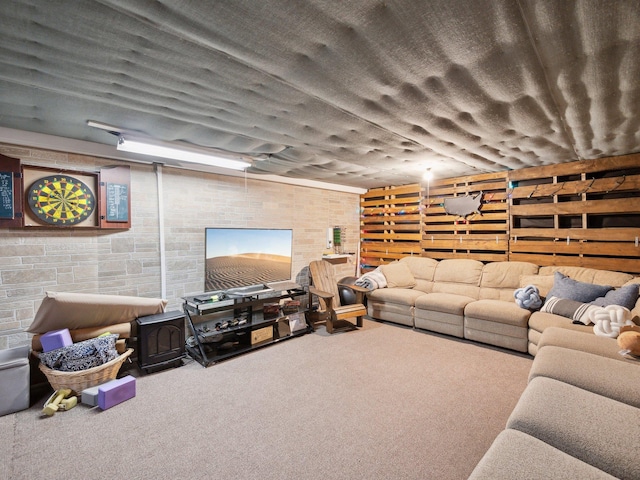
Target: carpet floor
(383,402)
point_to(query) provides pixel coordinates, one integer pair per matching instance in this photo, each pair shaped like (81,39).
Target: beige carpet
(384,402)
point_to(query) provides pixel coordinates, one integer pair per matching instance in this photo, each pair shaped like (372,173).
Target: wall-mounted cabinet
(11,206)
(34,196)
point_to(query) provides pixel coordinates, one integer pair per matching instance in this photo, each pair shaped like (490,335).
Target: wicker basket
(78,381)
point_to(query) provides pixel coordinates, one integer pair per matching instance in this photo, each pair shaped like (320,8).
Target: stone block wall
(128,262)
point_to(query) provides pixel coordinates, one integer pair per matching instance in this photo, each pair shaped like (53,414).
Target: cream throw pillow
(398,275)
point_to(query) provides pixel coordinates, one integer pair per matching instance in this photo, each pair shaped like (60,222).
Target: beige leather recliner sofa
(468,299)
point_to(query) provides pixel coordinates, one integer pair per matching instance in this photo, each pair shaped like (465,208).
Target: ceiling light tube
(185,153)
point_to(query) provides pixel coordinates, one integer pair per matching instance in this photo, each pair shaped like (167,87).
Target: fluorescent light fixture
(184,153)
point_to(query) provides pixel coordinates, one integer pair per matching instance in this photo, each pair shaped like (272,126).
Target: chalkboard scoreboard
(6,195)
(117,202)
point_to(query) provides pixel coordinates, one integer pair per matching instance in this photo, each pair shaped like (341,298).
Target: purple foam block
(116,391)
(56,339)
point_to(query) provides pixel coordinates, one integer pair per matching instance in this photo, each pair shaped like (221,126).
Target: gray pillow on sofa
(565,287)
(626,296)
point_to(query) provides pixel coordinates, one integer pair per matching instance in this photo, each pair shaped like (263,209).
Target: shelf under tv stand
(228,327)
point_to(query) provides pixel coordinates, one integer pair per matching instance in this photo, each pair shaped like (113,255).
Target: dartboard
(61,200)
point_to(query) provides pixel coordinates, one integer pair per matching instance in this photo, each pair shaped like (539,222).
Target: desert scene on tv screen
(244,269)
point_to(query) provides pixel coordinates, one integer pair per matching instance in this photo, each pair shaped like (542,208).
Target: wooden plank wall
(389,225)
(483,236)
(583,213)
(580,213)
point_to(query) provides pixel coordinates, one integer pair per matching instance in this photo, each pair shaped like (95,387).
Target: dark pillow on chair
(565,287)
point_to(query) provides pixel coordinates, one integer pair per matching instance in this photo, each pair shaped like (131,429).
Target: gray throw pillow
(565,287)
(625,296)
(576,311)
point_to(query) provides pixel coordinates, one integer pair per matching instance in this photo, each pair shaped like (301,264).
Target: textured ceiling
(361,93)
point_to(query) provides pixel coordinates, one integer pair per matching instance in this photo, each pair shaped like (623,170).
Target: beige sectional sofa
(468,299)
(579,416)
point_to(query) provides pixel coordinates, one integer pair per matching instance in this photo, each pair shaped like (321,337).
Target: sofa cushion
(589,275)
(565,287)
(459,270)
(443,302)
(400,296)
(514,454)
(422,268)
(498,311)
(584,342)
(500,279)
(597,374)
(398,275)
(595,429)
(543,283)
(459,289)
(459,277)
(540,321)
(505,274)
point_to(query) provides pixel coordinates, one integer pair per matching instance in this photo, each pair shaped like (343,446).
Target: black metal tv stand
(223,326)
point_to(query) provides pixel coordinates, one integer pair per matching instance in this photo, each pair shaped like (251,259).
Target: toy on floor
(629,340)
(60,400)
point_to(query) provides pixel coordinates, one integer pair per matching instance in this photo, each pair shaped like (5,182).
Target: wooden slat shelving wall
(482,236)
(389,225)
(581,213)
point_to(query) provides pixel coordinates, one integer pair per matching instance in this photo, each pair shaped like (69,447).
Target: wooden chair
(324,286)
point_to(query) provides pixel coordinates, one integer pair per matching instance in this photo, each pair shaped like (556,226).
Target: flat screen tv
(242,257)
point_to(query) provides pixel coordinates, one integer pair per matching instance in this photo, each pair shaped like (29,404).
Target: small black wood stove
(161,341)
